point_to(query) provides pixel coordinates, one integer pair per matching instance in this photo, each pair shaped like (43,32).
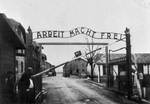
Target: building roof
(143,58)
(16,26)
(10,27)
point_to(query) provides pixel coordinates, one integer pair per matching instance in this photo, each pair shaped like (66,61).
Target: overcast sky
(99,15)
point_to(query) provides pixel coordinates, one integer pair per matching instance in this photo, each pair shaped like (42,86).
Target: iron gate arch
(93,34)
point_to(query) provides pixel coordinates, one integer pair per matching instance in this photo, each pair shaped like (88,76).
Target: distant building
(43,62)
(118,71)
(67,69)
(33,54)
(48,65)
(76,67)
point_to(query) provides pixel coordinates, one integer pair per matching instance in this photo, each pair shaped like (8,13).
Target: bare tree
(90,57)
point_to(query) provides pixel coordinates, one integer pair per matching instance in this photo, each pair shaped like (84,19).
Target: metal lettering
(102,35)
(50,34)
(39,35)
(115,36)
(72,33)
(44,34)
(60,34)
(92,34)
(88,32)
(82,32)
(54,34)
(108,35)
(122,36)
(77,31)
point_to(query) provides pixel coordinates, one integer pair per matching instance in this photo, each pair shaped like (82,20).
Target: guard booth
(123,71)
(118,73)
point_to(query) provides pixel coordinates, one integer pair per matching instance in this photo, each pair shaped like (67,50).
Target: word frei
(77,31)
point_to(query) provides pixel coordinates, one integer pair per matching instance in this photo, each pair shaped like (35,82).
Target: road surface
(77,91)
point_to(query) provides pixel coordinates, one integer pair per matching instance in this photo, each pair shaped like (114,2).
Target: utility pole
(128,63)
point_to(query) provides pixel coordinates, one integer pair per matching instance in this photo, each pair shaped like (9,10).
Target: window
(22,51)
(21,66)
(104,70)
(16,67)
(17,64)
(77,70)
(115,70)
(146,69)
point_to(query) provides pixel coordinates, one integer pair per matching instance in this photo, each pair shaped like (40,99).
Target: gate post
(128,63)
(107,67)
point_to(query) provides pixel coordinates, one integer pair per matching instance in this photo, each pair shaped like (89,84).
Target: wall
(7,59)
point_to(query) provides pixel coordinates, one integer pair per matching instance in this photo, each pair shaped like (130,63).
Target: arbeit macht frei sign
(77,31)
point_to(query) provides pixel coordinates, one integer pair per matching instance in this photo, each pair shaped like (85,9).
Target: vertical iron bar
(128,62)
(107,67)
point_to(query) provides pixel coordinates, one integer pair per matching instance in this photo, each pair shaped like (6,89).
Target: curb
(104,86)
(121,93)
(146,101)
(99,84)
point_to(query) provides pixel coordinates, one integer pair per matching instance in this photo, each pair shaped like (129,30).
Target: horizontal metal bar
(70,43)
(94,51)
(42,72)
(117,49)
